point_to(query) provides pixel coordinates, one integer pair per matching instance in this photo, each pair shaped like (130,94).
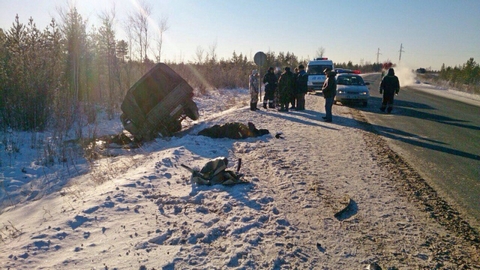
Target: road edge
(412,185)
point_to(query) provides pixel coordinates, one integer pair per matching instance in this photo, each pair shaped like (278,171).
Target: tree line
(59,77)
(465,77)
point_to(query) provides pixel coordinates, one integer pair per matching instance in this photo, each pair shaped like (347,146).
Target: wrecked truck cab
(157,103)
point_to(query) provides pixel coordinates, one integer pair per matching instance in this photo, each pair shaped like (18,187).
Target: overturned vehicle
(157,103)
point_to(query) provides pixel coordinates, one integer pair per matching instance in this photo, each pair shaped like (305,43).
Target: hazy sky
(432,32)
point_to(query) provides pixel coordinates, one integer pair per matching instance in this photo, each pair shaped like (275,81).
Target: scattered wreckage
(161,99)
(214,173)
(233,130)
(157,103)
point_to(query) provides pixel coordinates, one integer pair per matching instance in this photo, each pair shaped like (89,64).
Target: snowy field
(137,208)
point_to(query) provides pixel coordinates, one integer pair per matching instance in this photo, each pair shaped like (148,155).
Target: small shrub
(9,232)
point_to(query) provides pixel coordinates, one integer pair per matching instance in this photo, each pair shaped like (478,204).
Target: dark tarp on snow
(233,130)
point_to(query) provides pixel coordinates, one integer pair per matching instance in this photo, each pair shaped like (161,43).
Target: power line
(401,50)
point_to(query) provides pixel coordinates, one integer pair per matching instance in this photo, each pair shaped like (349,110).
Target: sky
(425,33)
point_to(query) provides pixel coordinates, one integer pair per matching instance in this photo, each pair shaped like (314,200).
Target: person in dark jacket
(293,98)
(389,87)
(286,84)
(278,73)
(329,90)
(301,88)
(270,81)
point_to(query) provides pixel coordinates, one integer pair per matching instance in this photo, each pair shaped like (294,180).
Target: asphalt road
(439,137)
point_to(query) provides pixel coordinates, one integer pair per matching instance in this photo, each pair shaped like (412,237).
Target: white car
(351,88)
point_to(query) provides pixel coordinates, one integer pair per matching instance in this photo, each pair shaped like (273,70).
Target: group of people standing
(291,87)
(280,90)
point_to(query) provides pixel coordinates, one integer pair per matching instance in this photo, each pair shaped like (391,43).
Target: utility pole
(378,54)
(401,50)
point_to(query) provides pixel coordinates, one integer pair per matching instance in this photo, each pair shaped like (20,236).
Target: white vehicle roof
(317,66)
(320,61)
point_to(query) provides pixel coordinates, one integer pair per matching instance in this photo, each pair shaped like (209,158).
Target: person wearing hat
(293,98)
(389,87)
(253,86)
(329,91)
(270,81)
(301,88)
(286,85)
(278,73)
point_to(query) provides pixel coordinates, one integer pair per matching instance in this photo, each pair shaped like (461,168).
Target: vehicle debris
(213,173)
(157,103)
(233,130)
(344,207)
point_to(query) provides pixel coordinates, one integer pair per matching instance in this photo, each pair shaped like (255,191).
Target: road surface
(440,138)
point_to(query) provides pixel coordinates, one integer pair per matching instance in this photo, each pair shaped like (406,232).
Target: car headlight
(364,93)
(340,91)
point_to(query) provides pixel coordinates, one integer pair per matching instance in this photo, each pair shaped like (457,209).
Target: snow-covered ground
(447,93)
(137,208)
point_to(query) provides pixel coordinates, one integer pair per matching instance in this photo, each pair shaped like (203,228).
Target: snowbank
(146,214)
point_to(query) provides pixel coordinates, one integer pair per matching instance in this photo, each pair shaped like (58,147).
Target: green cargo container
(157,103)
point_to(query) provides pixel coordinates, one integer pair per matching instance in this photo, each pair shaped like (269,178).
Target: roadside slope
(147,214)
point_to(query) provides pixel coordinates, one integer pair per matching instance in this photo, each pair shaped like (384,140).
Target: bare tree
(212,54)
(320,52)
(108,58)
(138,24)
(162,28)
(199,54)
(129,31)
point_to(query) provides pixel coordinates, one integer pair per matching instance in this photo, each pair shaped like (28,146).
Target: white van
(316,77)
